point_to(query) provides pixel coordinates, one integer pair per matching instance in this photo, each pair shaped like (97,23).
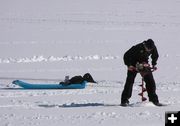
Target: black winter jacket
(138,53)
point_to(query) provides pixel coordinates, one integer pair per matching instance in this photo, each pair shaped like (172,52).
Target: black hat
(149,44)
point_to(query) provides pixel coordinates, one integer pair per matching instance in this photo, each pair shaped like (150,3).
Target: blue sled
(26,85)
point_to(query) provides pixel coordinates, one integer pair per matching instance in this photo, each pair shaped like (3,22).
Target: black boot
(124,103)
(158,104)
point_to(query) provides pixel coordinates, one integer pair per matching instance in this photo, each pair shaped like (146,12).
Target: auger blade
(144,89)
(140,94)
(144,99)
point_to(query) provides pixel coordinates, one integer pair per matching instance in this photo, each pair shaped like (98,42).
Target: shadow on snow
(77,105)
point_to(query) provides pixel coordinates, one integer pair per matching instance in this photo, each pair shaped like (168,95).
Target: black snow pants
(150,87)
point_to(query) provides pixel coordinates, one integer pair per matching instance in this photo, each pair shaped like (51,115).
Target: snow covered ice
(43,41)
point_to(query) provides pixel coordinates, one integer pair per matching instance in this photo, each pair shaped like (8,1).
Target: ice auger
(143,69)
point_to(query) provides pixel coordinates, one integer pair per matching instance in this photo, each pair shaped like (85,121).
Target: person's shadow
(77,105)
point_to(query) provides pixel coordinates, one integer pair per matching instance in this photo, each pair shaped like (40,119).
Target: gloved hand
(154,67)
(131,68)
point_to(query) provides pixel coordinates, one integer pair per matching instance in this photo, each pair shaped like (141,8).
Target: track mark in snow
(35,59)
(41,58)
(88,20)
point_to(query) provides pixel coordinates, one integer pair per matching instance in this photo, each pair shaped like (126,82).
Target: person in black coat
(78,79)
(139,54)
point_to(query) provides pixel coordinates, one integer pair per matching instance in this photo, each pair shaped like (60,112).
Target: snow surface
(44,40)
